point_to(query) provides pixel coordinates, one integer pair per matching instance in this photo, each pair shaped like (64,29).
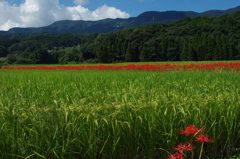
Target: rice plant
(115,114)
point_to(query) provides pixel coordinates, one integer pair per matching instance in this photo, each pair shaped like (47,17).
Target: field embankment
(152,67)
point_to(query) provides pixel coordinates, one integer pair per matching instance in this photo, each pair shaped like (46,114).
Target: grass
(128,63)
(115,114)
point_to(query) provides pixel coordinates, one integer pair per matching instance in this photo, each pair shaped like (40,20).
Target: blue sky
(35,13)
(136,7)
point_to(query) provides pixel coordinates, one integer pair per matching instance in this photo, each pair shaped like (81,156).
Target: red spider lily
(185,147)
(191,130)
(182,148)
(145,67)
(177,155)
(203,138)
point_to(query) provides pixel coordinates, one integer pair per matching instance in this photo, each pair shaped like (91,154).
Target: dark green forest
(189,39)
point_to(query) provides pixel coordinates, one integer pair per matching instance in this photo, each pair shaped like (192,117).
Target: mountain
(112,25)
(217,13)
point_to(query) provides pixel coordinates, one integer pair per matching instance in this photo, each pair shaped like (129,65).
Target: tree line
(189,39)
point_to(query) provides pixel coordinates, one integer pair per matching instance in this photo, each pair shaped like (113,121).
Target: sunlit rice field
(116,113)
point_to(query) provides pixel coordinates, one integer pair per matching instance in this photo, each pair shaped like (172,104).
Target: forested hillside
(112,25)
(189,39)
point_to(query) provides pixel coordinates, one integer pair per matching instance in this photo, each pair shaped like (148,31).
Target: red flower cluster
(203,138)
(177,155)
(191,130)
(145,67)
(180,149)
(188,147)
(194,131)
(185,147)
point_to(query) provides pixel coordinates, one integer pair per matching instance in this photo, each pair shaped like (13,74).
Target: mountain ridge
(112,25)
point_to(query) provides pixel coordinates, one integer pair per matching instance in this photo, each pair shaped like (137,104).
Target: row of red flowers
(145,67)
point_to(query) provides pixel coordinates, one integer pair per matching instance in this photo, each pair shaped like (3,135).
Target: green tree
(11,58)
(128,55)
(2,61)
(41,56)
(3,51)
(149,51)
(137,39)
(184,53)
(22,60)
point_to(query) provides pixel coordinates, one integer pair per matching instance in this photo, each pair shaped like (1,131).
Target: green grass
(115,114)
(129,63)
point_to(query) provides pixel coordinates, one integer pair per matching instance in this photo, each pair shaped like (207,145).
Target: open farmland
(116,113)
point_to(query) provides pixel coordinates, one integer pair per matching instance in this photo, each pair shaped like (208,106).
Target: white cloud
(36,13)
(105,11)
(80,2)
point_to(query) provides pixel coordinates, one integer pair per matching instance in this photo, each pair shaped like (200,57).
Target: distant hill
(112,25)
(217,13)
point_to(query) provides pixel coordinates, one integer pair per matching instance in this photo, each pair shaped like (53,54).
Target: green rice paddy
(115,114)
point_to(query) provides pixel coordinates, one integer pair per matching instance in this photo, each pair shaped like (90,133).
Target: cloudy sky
(35,13)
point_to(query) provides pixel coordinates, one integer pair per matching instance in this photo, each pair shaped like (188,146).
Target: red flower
(185,147)
(203,138)
(191,130)
(177,155)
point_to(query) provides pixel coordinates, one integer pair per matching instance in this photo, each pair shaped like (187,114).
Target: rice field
(118,114)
